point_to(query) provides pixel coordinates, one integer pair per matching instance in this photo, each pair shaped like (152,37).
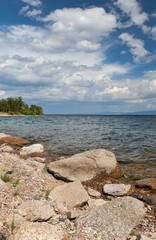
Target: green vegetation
(17,106)
(6,178)
(16,182)
(16,193)
(47,192)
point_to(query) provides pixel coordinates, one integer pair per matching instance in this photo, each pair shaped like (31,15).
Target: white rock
(5,148)
(85,166)
(96,202)
(73,194)
(35,210)
(34,148)
(93,193)
(2,135)
(39,231)
(116,189)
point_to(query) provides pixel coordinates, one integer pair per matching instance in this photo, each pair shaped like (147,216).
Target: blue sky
(79,56)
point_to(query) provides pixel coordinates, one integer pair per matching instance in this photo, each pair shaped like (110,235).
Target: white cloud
(23,10)
(33,13)
(150,74)
(87,46)
(132,9)
(136,46)
(34,3)
(153,31)
(85,22)
(65,59)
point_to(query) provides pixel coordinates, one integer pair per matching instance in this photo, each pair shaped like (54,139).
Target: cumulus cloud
(150,74)
(84,21)
(34,3)
(136,46)
(133,10)
(33,13)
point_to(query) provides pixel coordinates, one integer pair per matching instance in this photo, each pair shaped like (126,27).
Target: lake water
(131,138)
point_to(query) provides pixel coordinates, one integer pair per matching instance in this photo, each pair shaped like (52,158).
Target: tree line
(18,106)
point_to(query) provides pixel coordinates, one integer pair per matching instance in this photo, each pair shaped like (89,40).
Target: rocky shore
(83,197)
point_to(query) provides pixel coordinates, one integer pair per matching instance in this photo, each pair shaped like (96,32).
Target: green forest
(16,106)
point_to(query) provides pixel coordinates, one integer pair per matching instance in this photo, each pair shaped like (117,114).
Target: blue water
(131,138)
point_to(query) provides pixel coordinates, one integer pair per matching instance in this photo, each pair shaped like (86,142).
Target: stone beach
(84,197)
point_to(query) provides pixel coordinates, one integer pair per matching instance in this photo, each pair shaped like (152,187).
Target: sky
(79,57)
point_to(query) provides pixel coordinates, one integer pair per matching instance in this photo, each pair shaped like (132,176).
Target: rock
(113,220)
(5,148)
(146,197)
(142,237)
(14,221)
(75,213)
(116,189)
(84,166)
(73,194)
(2,135)
(147,182)
(34,148)
(39,231)
(1,183)
(93,193)
(62,208)
(13,140)
(96,202)
(35,210)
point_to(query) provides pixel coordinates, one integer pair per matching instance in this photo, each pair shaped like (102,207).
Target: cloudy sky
(70,56)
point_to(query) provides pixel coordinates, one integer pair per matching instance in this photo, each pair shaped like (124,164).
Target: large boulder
(34,210)
(73,194)
(113,220)
(39,231)
(85,166)
(116,189)
(34,148)
(10,140)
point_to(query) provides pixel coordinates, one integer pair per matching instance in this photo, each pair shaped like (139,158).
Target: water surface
(131,138)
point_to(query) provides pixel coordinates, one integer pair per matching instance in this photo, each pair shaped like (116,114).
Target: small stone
(142,237)
(93,193)
(116,189)
(5,148)
(34,148)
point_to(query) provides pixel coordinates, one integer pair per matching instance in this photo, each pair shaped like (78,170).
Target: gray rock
(39,231)
(116,189)
(96,202)
(93,193)
(73,194)
(146,182)
(84,166)
(34,210)
(1,183)
(34,148)
(142,237)
(113,220)
(5,148)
